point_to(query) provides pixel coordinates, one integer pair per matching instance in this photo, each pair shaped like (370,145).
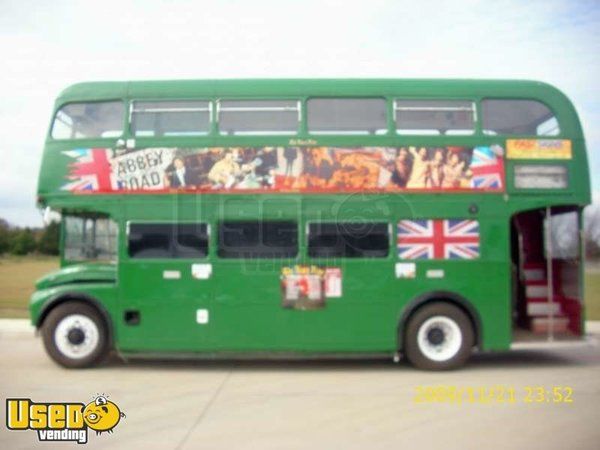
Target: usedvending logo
(61,421)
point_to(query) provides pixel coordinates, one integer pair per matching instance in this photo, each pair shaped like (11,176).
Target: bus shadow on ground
(480,361)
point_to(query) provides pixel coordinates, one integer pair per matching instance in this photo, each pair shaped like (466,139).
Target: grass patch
(17,279)
(592,295)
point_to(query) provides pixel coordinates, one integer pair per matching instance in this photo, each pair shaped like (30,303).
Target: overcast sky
(45,46)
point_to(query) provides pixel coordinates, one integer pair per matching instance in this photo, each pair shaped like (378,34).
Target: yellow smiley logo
(102,415)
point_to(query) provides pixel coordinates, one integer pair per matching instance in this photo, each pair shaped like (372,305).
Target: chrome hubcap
(76,336)
(439,338)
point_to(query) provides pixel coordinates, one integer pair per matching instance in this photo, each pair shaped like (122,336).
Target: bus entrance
(546,258)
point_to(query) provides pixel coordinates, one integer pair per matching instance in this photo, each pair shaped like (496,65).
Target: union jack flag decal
(438,239)
(90,171)
(487,167)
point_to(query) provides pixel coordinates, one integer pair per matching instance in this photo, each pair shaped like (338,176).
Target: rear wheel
(439,336)
(75,335)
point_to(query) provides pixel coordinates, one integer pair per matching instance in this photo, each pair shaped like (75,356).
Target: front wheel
(439,336)
(75,335)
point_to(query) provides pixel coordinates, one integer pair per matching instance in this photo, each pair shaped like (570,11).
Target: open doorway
(546,268)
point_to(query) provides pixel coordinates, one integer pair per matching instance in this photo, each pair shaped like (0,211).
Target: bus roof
(100,90)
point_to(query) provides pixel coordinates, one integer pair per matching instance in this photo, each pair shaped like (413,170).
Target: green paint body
(244,297)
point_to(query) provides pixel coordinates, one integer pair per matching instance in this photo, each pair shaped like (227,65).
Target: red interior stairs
(542,314)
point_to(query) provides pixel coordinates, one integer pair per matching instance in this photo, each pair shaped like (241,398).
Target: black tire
(97,352)
(417,353)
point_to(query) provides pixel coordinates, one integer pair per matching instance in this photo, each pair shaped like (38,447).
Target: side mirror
(49,216)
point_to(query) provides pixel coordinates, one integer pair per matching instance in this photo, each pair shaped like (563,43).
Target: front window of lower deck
(90,239)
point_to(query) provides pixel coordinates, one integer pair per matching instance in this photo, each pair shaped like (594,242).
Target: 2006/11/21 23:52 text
(493,394)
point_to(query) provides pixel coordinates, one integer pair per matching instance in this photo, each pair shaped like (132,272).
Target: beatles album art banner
(286,169)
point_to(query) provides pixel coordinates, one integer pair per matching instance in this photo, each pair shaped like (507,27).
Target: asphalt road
(314,405)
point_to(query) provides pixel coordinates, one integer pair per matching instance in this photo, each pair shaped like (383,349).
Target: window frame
(474,112)
(124,120)
(210,110)
(353,133)
(63,237)
(390,231)
(299,109)
(551,233)
(167,222)
(217,241)
(302,129)
(482,130)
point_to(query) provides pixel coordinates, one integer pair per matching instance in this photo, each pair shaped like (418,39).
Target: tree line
(26,240)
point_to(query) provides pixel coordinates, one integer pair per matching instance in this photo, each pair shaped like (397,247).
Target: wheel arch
(81,298)
(445,297)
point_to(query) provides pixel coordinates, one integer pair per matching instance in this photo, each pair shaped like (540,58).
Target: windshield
(89,238)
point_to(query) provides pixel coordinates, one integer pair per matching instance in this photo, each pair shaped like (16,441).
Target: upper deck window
(433,117)
(89,120)
(241,117)
(520,117)
(171,118)
(347,116)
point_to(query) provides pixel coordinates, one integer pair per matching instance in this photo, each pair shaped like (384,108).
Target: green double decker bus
(305,218)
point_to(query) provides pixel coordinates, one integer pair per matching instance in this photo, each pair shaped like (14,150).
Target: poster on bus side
(308,287)
(286,169)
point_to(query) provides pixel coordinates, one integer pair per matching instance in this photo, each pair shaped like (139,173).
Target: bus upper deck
(533,126)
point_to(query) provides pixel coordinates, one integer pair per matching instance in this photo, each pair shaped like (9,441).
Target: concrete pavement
(323,404)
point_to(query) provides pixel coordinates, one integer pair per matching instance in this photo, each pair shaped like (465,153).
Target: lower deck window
(168,240)
(258,239)
(348,240)
(562,235)
(90,238)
